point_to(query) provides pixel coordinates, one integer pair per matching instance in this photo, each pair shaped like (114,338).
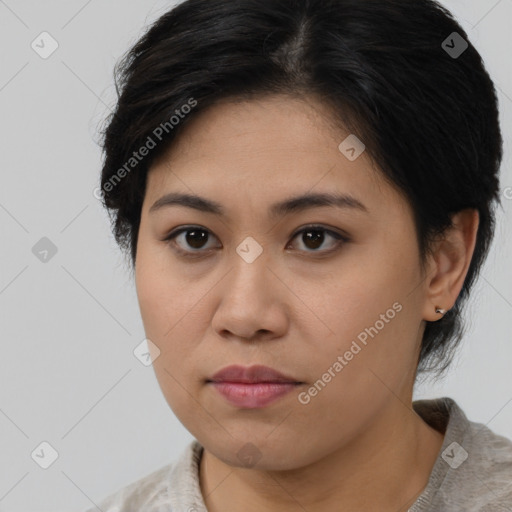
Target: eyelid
(340,236)
(336,232)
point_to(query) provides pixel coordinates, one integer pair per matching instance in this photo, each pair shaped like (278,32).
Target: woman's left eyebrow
(280,209)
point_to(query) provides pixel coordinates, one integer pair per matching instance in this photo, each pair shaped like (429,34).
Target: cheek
(352,380)
(370,321)
(159,288)
(167,312)
(172,313)
(152,298)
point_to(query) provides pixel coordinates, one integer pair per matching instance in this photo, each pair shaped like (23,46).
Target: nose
(252,302)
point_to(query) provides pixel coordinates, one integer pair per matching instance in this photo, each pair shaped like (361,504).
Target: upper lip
(250,374)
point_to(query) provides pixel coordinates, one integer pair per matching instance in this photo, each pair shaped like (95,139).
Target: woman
(339,162)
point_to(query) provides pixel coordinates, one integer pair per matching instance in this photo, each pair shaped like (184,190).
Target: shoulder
(489,469)
(172,487)
(138,494)
(473,471)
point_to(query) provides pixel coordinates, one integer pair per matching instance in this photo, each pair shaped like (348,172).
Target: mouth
(252,375)
(252,387)
(253,395)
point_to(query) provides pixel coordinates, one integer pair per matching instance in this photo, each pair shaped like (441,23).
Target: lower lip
(253,396)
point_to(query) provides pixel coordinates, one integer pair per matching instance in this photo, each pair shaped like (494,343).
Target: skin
(357,444)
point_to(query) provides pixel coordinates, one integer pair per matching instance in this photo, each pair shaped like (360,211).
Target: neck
(385,468)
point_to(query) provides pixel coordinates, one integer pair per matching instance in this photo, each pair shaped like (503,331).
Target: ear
(449,263)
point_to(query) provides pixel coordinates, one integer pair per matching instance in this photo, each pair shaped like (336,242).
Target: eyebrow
(291,205)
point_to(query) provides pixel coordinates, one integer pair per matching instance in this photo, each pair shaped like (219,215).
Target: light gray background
(69,326)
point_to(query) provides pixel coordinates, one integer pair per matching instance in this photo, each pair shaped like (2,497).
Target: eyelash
(170,239)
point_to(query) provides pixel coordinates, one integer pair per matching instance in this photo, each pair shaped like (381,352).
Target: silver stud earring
(440,311)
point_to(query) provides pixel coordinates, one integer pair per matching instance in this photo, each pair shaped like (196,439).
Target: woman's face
(342,318)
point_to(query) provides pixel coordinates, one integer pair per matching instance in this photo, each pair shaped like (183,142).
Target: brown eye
(190,240)
(313,238)
(196,238)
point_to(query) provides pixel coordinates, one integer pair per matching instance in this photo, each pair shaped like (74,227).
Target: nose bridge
(249,274)
(248,301)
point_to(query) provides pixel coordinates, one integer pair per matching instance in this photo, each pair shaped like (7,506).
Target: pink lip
(250,374)
(253,396)
(252,387)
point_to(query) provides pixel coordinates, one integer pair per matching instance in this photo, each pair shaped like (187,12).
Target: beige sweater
(472,473)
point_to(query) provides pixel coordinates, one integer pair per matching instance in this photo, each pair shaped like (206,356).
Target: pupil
(317,240)
(196,243)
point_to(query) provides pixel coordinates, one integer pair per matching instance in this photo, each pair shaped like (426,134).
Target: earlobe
(450,260)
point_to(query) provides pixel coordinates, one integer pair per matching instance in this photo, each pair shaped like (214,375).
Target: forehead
(260,151)
(272,124)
